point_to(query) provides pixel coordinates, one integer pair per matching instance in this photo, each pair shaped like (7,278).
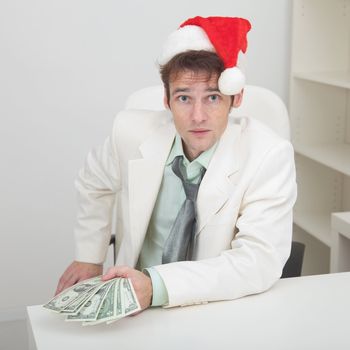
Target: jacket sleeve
(258,251)
(97,184)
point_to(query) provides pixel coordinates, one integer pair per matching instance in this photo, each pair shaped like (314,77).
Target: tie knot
(191,190)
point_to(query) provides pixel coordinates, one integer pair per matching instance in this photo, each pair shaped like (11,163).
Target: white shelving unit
(320,116)
(340,257)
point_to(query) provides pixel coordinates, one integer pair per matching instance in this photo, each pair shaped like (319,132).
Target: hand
(141,283)
(77,271)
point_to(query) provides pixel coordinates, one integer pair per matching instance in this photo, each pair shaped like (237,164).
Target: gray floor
(13,335)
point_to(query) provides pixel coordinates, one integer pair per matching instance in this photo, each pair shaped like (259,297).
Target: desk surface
(297,313)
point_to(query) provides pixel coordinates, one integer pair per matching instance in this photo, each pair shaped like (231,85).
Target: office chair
(294,264)
(259,103)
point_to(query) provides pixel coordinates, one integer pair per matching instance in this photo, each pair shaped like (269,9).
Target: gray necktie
(180,243)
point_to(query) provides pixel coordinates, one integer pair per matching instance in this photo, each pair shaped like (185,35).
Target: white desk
(297,313)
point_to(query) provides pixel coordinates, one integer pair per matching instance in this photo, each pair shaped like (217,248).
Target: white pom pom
(231,81)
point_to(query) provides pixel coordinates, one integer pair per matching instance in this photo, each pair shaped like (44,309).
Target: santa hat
(227,36)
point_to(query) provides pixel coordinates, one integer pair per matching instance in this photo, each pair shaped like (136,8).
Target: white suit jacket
(244,205)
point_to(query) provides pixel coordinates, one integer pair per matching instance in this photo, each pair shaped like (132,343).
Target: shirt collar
(177,150)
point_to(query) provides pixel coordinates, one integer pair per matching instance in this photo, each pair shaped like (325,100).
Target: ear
(237,100)
(165,101)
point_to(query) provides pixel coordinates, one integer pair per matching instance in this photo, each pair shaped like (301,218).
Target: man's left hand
(141,283)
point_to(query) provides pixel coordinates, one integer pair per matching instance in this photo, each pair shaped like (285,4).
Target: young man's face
(200,111)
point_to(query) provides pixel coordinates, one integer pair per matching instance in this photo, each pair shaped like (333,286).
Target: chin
(202,148)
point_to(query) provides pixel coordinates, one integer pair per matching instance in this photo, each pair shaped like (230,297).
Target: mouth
(199,131)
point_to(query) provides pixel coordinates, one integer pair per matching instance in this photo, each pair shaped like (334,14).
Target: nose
(198,112)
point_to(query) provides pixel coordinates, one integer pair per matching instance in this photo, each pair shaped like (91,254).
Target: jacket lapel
(217,184)
(149,169)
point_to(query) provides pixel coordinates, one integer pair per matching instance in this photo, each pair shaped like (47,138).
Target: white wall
(66,67)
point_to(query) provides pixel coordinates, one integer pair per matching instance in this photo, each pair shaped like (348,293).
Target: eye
(183,98)
(213,98)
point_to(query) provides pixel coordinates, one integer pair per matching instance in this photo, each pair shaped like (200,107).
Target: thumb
(111,273)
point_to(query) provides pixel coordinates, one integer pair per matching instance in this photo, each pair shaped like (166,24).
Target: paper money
(68,296)
(91,307)
(130,302)
(112,308)
(95,301)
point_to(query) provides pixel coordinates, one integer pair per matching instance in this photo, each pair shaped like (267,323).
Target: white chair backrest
(258,103)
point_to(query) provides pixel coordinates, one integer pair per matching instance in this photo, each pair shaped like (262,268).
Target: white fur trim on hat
(184,39)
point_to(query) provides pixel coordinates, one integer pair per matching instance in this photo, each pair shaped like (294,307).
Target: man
(204,201)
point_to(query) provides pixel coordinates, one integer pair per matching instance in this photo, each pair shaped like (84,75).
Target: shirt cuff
(160,293)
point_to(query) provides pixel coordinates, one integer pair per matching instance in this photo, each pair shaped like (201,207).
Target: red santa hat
(227,36)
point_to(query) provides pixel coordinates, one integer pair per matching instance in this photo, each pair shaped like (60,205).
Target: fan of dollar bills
(94,301)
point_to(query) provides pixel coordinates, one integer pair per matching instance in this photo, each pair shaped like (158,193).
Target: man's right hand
(77,271)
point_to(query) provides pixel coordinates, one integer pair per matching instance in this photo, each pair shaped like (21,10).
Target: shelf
(335,156)
(341,223)
(337,78)
(317,225)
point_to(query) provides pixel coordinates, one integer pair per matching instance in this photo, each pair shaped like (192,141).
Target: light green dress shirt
(169,201)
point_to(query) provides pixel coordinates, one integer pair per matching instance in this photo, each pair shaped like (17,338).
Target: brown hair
(197,62)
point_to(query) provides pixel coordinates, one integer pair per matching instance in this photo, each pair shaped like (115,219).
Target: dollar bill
(107,310)
(74,307)
(128,302)
(62,300)
(92,306)
(131,304)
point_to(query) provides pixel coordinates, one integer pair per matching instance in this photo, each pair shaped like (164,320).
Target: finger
(58,289)
(60,286)
(111,273)
(116,271)
(66,282)
(65,278)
